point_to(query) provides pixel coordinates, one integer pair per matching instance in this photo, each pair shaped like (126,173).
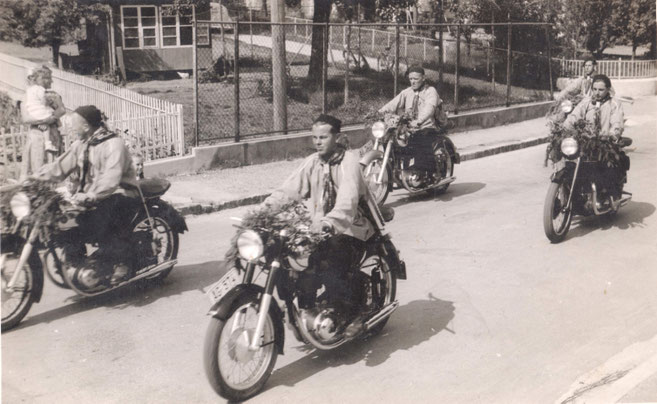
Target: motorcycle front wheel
(556,219)
(235,372)
(371,172)
(16,303)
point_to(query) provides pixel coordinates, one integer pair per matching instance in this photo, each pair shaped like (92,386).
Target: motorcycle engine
(324,324)
(414,177)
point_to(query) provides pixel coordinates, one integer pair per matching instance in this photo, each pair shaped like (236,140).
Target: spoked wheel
(54,267)
(383,284)
(17,301)
(371,172)
(444,167)
(160,247)
(556,218)
(234,371)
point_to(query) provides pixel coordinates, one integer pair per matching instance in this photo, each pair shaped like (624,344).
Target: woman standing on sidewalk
(41,110)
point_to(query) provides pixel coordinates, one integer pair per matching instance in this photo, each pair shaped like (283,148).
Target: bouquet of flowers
(591,146)
(292,219)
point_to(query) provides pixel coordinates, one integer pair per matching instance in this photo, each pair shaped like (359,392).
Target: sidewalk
(216,190)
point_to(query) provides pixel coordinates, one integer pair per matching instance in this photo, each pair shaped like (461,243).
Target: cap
(91,114)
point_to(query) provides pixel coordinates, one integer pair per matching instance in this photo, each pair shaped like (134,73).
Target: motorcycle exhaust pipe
(597,211)
(382,315)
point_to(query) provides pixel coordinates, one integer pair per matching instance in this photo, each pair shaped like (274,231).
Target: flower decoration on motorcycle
(591,146)
(45,208)
(289,223)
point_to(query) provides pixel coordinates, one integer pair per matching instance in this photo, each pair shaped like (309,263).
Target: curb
(199,208)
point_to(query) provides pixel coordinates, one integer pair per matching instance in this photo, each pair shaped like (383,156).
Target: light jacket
(307,182)
(110,166)
(428,101)
(610,112)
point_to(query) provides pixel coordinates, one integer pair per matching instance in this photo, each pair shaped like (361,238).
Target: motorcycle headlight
(20,205)
(250,246)
(569,146)
(378,129)
(566,106)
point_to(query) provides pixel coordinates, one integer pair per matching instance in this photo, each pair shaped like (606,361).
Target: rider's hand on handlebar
(414,124)
(82,198)
(321,227)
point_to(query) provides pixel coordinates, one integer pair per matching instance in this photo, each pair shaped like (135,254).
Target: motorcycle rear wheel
(23,290)
(165,236)
(226,347)
(556,221)
(386,288)
(446,168)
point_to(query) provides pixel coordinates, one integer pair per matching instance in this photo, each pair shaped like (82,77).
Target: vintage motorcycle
(246,334)
(37,218)
(392,160)
(588,179)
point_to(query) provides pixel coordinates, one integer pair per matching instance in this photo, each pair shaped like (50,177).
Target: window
(139,25)
(177,29)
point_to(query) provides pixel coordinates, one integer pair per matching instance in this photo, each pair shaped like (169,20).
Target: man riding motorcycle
(420,101)
(331,180)
(103,179)
(605,114)
(583,85)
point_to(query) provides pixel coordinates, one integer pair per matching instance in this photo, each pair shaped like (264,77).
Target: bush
(9,112)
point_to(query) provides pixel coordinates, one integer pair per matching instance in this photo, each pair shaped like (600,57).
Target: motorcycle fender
(449,145)
(10,242)
(223,308)
(559,176)
(369,156)
(398,265)
(171,215)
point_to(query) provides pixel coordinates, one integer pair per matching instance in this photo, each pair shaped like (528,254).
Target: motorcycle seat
(153,187)
(624,141)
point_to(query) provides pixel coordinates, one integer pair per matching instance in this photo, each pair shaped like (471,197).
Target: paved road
(491,312)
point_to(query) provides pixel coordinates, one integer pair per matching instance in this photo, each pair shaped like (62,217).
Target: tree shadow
(455,190)
(411,324)
(182,279)
(628,217)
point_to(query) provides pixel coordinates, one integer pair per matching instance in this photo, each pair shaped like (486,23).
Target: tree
(37,23)
(634,21)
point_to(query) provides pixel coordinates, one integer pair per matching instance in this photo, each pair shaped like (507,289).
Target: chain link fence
(357,68)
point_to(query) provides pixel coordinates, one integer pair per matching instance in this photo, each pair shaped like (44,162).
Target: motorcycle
(392,160)
(38,219)
(588,180)
(245,333)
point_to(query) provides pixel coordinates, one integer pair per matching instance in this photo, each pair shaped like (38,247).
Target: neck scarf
(98,137)
(329,194)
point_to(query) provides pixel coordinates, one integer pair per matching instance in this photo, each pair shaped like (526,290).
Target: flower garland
(269,221)
(45,208)
(591,146)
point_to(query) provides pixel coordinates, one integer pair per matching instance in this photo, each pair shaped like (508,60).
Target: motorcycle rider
(583,85)
(605,114)
(105,182)
(420,101)
(331,179)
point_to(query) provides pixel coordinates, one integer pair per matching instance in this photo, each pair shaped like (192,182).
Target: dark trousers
(333,264)
(421,144)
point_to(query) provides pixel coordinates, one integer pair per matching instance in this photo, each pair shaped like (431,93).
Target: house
(149,36)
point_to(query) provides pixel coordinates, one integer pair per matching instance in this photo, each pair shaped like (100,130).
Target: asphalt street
(491,312)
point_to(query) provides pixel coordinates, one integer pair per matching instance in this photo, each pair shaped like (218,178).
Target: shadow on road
(182,279)
(628,217)
(455,190)
(412,324)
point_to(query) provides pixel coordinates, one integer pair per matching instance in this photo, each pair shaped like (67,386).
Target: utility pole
(279,86)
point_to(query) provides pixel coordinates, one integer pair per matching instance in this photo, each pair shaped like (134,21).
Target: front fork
(264,305)
(384,163)
(572,185)
(25,255)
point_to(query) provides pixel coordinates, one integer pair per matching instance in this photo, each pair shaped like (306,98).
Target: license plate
(231,279)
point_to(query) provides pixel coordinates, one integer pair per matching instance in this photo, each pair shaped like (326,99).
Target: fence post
(236,77)
(456,69)
(325,67)
(396,57)
(373,32)
(195,57)
(619,68)
(508,64)
(181,128)
(406,46)
(549,57)
(251,30)
(346,61)
(441,59)
(424,50)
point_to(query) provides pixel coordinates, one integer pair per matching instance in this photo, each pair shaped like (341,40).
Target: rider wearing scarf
(332,183)
(600,110)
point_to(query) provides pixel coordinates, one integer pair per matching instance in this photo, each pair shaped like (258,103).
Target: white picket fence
(615,69)
(153,124)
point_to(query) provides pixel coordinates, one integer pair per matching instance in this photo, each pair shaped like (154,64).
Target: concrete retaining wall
(624,87)
(284,147)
